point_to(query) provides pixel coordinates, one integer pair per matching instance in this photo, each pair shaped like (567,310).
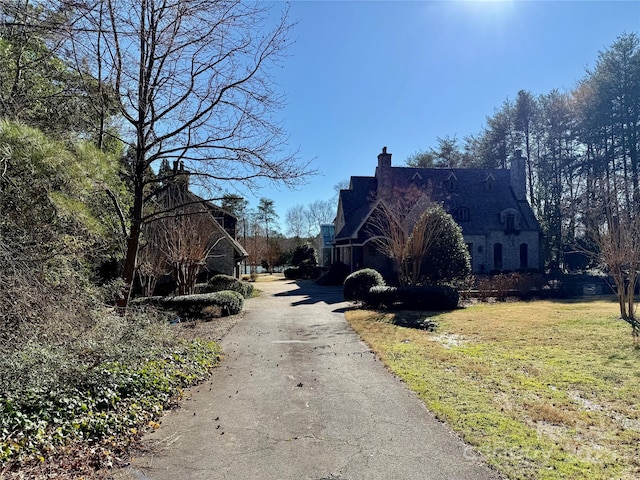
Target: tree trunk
(133,241)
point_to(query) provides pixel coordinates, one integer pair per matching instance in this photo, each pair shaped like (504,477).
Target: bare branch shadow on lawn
(534,298)
(585,299)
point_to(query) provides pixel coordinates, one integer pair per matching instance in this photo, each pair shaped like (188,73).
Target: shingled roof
(475,197)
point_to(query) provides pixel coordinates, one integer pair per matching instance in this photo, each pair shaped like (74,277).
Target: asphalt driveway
(299,396)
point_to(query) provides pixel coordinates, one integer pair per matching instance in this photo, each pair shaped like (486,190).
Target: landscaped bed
(76,410)
(543,390)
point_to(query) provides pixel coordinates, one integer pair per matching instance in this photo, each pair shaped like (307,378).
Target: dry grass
(266,277)
(544,390)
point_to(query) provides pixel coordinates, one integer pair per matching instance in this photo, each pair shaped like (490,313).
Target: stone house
(490,205)
(225,252)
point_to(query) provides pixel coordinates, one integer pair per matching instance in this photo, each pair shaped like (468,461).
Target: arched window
(524,255)
(497,256)
(461,214)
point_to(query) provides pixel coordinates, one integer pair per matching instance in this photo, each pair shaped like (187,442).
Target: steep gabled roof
(179,194)
(239,249)
(355,205)
(483,193)
(470,191)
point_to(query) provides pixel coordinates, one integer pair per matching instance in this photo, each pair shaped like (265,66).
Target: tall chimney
(383,171)
(519,176)
(384,159)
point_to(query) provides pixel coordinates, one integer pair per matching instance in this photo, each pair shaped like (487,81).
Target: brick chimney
(383,170)
(384,159)
(519,176)
(180,175)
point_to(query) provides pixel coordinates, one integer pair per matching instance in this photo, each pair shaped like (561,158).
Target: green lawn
(543,390)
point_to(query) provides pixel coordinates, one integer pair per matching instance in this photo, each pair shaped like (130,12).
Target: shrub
(231,302)
(413,298)
(381,296)
(309,269)
(196,306)
(448,258)
(336,274)
(221,282)
(292,273)
(303,253)
(306,270)
(357,284)
(429,297)
(503,285)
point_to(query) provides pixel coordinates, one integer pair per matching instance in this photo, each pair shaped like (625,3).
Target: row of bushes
(424,297)
(200,305)
(529,285)
(219,283)
(305,270)
(368,286)
(522,285)
(221,296)
(503,285)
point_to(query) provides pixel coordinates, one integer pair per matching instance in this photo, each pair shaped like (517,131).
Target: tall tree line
(581,148)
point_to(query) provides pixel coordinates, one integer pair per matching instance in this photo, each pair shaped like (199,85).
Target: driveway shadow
(313,293)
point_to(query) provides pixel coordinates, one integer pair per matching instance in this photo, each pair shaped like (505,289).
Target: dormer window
(489,183)
(510,220)
(450,182)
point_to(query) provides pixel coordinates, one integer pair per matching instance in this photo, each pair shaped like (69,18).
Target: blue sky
(366,74)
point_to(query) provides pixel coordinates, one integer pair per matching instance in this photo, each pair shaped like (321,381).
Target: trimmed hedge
(292,273)
(357,285)
(413,298)
(503,285)
(307,269)
(191,306)
(221,282)
(336,274)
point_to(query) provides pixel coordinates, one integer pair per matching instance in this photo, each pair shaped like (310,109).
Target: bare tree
(273,251)
(267,214)
(180,241)
(152,263)
(400,232)
(193,85)
(341,185)
(188,238)
(617,241)
(296,222)
(319,212)
(254,243)
(423,241)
